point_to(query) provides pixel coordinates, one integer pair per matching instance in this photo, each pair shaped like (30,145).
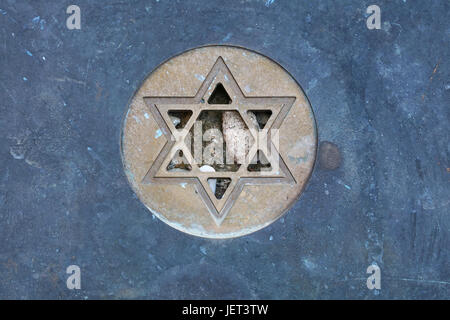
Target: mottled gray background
(381,95)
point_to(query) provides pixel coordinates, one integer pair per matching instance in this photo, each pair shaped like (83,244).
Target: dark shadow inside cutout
(262,116)
(179,118)
(220,186)
(179,163)
(219,95)
(259,163)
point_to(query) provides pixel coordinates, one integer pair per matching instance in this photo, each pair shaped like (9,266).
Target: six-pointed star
(160,106)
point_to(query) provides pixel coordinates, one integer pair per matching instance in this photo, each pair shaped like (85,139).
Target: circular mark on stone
(208,156)
(329,156)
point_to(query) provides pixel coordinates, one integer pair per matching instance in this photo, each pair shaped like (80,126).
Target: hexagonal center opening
(220,139)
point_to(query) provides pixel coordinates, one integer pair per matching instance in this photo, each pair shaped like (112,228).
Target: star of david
(160,107)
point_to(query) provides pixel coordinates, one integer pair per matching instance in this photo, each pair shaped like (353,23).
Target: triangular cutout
(259,163)
(219,95)
(179,163)
(179,118)
(219,186)
(260,116)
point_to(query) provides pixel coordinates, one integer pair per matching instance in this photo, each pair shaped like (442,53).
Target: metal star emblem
(160,107)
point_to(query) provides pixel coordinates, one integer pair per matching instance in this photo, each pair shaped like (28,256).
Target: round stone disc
(210,93)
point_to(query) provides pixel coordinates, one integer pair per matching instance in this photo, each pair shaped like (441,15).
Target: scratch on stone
(32,163)
(339,181)
(227,37)
(67,79)
(96,156)
(435,69)
(420,280)
(403,279)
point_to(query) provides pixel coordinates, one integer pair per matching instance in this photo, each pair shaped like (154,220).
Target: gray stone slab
(382,96)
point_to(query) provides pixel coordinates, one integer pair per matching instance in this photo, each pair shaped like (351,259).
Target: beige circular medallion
(219,141)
